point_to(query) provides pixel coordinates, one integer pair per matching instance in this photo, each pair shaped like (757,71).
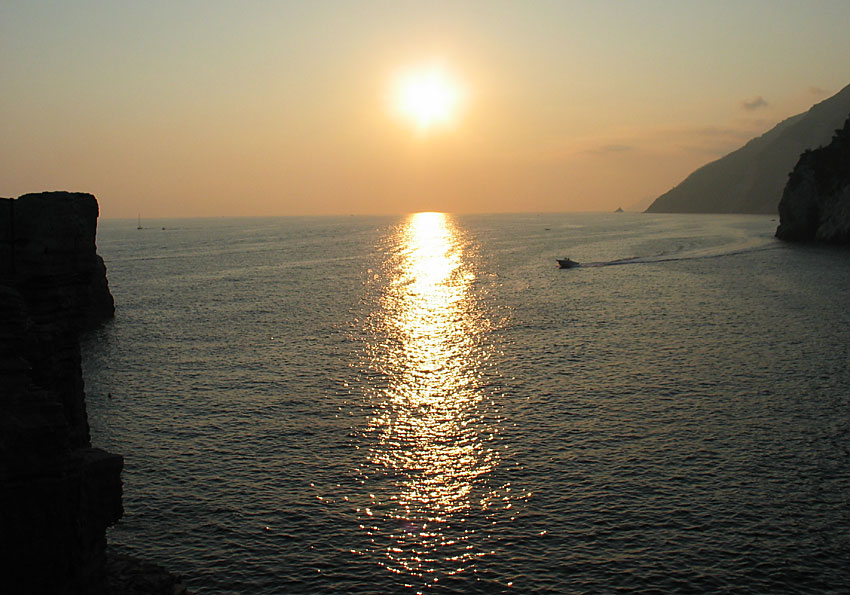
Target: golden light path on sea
(431,433)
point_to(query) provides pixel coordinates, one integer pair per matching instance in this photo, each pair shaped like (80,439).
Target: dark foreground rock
(58,494)
(126,575)
(815,204)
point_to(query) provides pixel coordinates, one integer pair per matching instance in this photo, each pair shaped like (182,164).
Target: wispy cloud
(607,149)
(818,91)
(717,140)
(754,103)
(711,140)
(724,132)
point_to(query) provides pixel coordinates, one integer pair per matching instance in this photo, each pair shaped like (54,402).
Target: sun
(429,97)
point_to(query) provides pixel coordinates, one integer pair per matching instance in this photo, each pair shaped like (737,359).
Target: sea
(427,404)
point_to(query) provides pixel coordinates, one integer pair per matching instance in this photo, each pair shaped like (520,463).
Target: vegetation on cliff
(816,202)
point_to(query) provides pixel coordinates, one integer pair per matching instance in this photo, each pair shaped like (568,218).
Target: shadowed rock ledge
(58,494)
(815,204)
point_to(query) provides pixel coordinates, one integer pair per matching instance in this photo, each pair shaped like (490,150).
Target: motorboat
(567,263)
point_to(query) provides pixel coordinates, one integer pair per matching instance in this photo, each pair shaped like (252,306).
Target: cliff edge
(815,204)
(58,494)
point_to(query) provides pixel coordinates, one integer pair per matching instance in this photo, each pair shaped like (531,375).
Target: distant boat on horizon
(139,225)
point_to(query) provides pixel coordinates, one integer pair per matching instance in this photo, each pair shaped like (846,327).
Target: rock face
(816,202)
(58,494)
(751,179)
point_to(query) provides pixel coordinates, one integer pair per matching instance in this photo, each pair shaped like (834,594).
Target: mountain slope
(751,179)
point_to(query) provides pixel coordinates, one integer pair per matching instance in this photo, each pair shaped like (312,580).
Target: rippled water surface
(428,404)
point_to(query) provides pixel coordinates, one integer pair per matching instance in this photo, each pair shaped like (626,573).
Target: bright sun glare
(428,97)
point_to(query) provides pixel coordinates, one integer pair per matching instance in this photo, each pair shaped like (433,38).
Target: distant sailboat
(139,226)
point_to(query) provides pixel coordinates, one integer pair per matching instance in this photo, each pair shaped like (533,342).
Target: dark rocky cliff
(751,179)
(58,494)
(816,202)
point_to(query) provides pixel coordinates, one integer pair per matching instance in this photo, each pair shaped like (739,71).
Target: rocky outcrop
(816,202)
(126,575)
(751,179)
(49,244)
(58,494)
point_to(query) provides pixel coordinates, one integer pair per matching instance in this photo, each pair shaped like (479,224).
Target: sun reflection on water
(432,436)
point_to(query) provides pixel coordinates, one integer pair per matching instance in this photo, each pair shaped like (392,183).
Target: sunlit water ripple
(432,437)
(427,404)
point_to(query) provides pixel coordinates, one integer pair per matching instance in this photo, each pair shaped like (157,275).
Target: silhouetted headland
(751,179)
(816,202)
(58,493)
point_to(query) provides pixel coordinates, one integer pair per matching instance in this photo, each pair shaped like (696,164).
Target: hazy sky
(209,108)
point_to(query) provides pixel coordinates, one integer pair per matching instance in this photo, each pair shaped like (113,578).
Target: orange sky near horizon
(281,108)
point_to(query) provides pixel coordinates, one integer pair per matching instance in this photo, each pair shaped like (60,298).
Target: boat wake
(746,246)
